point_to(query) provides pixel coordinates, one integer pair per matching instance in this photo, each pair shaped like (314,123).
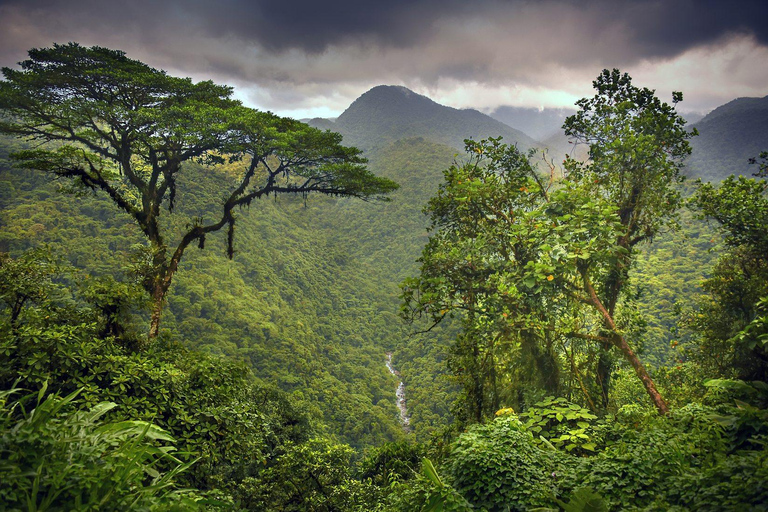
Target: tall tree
(478,258)
(637,145)
(115,125)
(533,263)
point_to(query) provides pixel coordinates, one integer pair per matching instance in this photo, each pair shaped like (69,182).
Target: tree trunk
(495,402)
(621,343)
(546,366)
(163,279)
(603,376)
(641,372)
(478,384)
(158,301)
(550,367)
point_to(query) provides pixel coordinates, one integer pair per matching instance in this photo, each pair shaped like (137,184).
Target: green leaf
(429,471)
(584,499)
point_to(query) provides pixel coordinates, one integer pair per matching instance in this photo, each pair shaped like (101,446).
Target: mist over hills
(693,117)
(538,123)
(728,137)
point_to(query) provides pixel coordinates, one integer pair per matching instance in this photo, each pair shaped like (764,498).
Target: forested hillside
(261,307)
(728,137)
(310,301)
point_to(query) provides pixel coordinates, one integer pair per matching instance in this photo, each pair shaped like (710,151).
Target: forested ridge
(266,386)
(726,135)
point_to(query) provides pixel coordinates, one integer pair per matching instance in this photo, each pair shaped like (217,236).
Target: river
(405,420)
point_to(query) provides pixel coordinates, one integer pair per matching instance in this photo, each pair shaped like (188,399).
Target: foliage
(472,263)
(584,499)
(392,462)
(737,484)
(743,412)
(213,408)
(497,466)
(118,126)
(428,493)
(261,308)
(54,456)
(732,320)
(114,304)
(535,266)
(637,145)
(563,424)
(667,275)
(28,282)
(511,256)
(312,313)
(250,440)
(312,476)
(647,463)
(740,206)
(648,456)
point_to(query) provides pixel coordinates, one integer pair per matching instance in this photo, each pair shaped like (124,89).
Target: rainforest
(409,307)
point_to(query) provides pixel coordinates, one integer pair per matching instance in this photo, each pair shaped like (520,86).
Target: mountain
(389,113)
(728,137)
(540,124)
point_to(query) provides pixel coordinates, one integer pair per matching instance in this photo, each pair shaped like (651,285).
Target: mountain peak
(387,113)
(394,99)
(391,89)
(394,92)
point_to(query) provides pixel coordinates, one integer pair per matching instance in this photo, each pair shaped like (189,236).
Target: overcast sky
(313,58)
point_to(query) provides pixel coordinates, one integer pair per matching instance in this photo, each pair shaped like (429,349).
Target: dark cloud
(311,45)
(308,25)
(658,27)
(662,28)
(312,26)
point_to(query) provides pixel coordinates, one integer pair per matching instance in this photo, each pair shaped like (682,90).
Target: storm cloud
(297,56)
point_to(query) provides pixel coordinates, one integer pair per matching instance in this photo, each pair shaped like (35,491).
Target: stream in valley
(405,420)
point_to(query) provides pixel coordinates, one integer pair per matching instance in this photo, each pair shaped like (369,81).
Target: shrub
(498,466)
(213,407)
(563,424)
(55,456)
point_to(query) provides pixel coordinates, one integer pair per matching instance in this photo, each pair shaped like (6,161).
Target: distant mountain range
(729,135)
